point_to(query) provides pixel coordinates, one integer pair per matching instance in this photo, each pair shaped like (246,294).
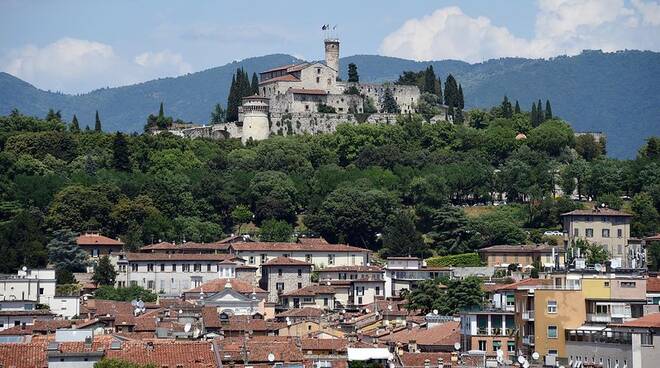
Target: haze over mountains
(616,93)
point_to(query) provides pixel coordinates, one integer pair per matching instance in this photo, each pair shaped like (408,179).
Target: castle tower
(255,118)
(332,53)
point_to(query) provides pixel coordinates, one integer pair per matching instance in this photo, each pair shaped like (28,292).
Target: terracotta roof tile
(286,261)
(39,327)
(32,355)
(338,345)
(301,312)
(197,354)
(312,290)
(526,283)
(284,350)
(288,247)
(445,334)
(179,257)
(649,321)
(312,241)
(217,285)
(282,78)
(410,360)
(653,285)
(375,269)
(280,67)
(97,239)
(597,212)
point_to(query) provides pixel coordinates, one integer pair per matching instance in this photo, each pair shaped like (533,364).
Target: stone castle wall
(314,123)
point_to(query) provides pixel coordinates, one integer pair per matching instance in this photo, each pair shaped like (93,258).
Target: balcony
(600,337)
(485,331)
(528,340)
(528,315)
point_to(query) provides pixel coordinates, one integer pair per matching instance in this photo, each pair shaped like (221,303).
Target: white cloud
(74,65)
(562,27)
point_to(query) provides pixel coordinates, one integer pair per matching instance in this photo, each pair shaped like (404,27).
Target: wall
(317,258)
(598,223)
(571,314)
(290,279)
(588,351)
(406,97)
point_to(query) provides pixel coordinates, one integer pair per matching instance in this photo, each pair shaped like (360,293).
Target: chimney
(427,363)
(441,363)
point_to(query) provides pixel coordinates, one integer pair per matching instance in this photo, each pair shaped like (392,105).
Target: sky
(75,46)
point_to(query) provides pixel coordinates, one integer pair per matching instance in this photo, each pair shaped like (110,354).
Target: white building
(365,283)
(405,272)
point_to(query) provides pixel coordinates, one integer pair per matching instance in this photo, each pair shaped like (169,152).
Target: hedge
(457,260)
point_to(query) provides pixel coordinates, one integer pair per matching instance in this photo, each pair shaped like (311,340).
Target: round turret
(255,119)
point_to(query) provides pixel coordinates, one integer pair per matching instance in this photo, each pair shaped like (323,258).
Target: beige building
(282,275)
(523,255)
(605,226)
(366,283)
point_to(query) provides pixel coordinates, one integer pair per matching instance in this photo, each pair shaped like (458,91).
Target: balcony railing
(528,315)
(528,340)
(599,318)
(604,337)
(485,331)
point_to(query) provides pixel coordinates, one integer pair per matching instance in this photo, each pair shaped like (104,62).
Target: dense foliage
(362,185)
(125,294)
(455,260)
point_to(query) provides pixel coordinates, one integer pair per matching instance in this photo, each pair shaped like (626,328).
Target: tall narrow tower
(332,53)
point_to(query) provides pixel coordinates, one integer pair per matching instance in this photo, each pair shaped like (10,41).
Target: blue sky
(76,46)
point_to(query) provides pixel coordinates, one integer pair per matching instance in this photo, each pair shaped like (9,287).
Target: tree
(594,253)
(389,103)
(353,75)
(241,215)
(125,294)
(104,272)
(97,123)
(22,241)
(448,228)
(240,87)
(64,253)
(516,110)
(533,116)
(75,128)
(587,147)
(218,115)
(451,92)
(459,295)
(646,221)
(161,111)
(548,110)
(275,231)
(401,238)
(254,86)
(120,155)
(551,137)
(653,249)
(429,81)
(368,106)
(507,110)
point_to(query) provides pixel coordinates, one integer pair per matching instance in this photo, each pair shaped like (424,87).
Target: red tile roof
(312,290)
(655,237)
(286,261)
(301,312)
(649,321)
(539,248)
(303,91)
(192,246)
(179,257)
(97,239)
(290,247)
(32,355)
(653,285)
(218,285)
(197,354)
(284,349)
(337,345)
(39,327)
(597,212)
(445,334)
(312,241)
(410,360)
(526,283)
(282,78)
(375,269)
(281,67)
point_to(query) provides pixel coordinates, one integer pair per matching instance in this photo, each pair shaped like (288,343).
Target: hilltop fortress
(309,98)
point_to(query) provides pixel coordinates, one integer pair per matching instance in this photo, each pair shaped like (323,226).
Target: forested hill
(611,92)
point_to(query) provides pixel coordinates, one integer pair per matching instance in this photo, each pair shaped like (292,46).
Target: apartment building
(405,272)
(605,226)
(282,275)
(366,283)
(523,255)
(172,274)
(490,330)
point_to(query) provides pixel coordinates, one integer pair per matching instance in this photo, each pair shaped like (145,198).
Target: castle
(309,97)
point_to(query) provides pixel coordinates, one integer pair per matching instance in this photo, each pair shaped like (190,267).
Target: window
(174,267)
(162,267)
(552,352)
(196,281)
(619,233)
(279,272)
(576,232)
(263,258)
(552,332)
(605,233)
(482,345)
(134,283)
(150,284)
(342,276)
(647,339)
(318,80)
(511,346)
(552,306)
(497,345)
(510,300)
(208,267)
(41,291)
(300,285)
(377,290)
(589,233)
(308,258)
(185,267)
(325,302)
(150,267)
(197,267)
(279,286)
(300,272)
(251,260)
(307,299)
(628,284)
(619,249)
(331,259)
(318,70)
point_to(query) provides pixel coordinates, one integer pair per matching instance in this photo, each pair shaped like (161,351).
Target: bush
(457,260)
(125,294)
(323,108)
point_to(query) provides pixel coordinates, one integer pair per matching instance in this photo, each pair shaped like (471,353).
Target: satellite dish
(136,311)
(134,303)
(180,311)
(457,346)
(526,364)
(535,355)
(271,357)
(521,359)
(85,297)
(187,327)
(140,304)
(598,267)
(24,268)
(389,306)
(435,311)
(367,310)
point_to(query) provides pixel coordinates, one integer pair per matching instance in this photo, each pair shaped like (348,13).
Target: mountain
(616,93)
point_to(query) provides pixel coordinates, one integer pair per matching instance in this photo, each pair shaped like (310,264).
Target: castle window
(318,70)
(318,80)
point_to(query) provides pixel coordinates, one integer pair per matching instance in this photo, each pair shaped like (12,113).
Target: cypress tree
(255,85)
(389,103)
(450,112)
(451,91)
(533,116)
(507,112)
(429,80)
(438,82)
(548,110)
(161,111)
(232,110)
(97,123)
(517,108)
(540,115)
(353,75)
(120,155)
(75,127)
(461,101)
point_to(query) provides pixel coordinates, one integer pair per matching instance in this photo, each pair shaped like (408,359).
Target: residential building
(282,275)
(653,290)
(97,245)
(366,283)
(316,296)
(605,226)
(526,256)
(436,339)
(171,274)
(405,272)
(490,330)
(645,340)
(318,254)
(230,296)
(36,285)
